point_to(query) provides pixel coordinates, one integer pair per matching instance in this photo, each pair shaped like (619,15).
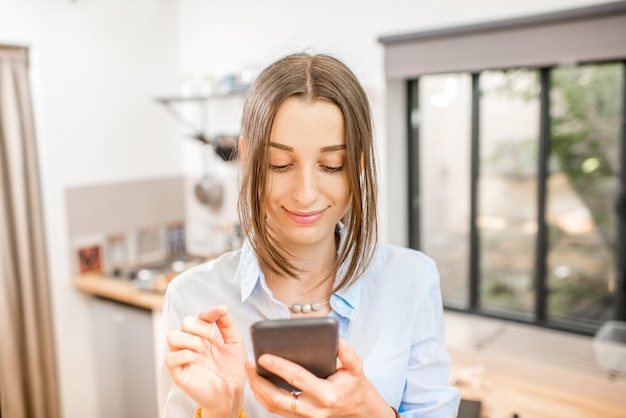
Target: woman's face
(308,190)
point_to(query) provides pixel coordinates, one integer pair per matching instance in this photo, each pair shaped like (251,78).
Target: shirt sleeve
(173,402)
(428,392)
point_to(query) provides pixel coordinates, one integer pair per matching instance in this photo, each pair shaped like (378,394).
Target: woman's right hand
(206,359)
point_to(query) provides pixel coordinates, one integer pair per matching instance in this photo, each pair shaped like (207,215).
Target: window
(516,168)
(541,242)
(507,189)
(586,140)
(444,147)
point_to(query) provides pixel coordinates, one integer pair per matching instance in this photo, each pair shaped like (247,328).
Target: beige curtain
(28,383)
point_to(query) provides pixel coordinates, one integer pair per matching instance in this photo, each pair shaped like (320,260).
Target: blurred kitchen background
(512,116)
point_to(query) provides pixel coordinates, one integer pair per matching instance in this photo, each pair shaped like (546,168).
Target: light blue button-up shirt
(392,317)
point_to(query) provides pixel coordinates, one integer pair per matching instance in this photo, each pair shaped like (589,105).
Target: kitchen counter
(149,284)
(118,290)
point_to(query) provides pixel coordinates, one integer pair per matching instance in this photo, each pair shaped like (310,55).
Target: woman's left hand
(347,393)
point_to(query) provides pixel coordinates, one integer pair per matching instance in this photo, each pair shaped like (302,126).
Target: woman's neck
(315,281)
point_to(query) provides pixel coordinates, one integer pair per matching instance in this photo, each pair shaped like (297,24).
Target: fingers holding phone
(342,390)
(308,342)
(278,400)
(292,354)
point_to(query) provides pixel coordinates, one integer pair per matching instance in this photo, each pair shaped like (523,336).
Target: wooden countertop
(507,396)
(118,290)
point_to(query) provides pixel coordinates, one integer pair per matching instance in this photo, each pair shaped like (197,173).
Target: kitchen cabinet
(125,348)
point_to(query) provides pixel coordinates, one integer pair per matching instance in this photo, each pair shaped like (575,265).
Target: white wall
(95,67)
(96,64)
(218,37)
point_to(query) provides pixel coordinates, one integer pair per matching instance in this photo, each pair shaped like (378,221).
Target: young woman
(307,207)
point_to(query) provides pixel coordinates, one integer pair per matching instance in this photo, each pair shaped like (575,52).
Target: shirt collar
(249,270)
(347,299)
(345,302)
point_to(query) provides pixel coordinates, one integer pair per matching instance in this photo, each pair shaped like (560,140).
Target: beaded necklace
(307,307)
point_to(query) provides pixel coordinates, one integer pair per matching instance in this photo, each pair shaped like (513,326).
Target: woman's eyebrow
(332,148)
(281,146)
(329,148)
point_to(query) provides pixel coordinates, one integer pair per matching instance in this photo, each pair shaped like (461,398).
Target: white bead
(316,306)
(296,307)
(306,308)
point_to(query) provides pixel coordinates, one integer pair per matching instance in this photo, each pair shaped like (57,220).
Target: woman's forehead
(315,125)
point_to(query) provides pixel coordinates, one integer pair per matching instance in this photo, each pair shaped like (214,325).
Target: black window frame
(539,316)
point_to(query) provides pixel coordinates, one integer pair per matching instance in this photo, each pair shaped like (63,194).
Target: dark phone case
(310,342)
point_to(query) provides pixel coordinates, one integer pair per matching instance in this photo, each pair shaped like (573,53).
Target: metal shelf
(218,96)
(222,144)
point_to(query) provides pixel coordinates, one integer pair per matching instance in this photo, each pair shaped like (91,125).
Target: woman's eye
(279,168)
(333,169)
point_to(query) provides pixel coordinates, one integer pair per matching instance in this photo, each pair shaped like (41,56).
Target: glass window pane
(507,189)
(445,142)
(586,108)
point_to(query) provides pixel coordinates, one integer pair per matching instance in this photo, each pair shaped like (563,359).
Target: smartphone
(309,342)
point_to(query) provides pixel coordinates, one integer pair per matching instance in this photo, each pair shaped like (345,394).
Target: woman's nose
(305,188)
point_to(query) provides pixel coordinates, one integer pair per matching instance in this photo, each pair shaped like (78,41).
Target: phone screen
(309,342)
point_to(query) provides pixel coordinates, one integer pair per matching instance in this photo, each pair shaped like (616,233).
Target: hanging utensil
(210,192)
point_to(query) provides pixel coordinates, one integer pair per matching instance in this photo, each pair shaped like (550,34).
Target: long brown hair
(310,77)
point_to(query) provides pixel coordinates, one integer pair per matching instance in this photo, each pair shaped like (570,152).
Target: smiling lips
(305,218)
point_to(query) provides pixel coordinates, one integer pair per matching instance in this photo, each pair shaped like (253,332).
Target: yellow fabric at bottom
(242,413)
